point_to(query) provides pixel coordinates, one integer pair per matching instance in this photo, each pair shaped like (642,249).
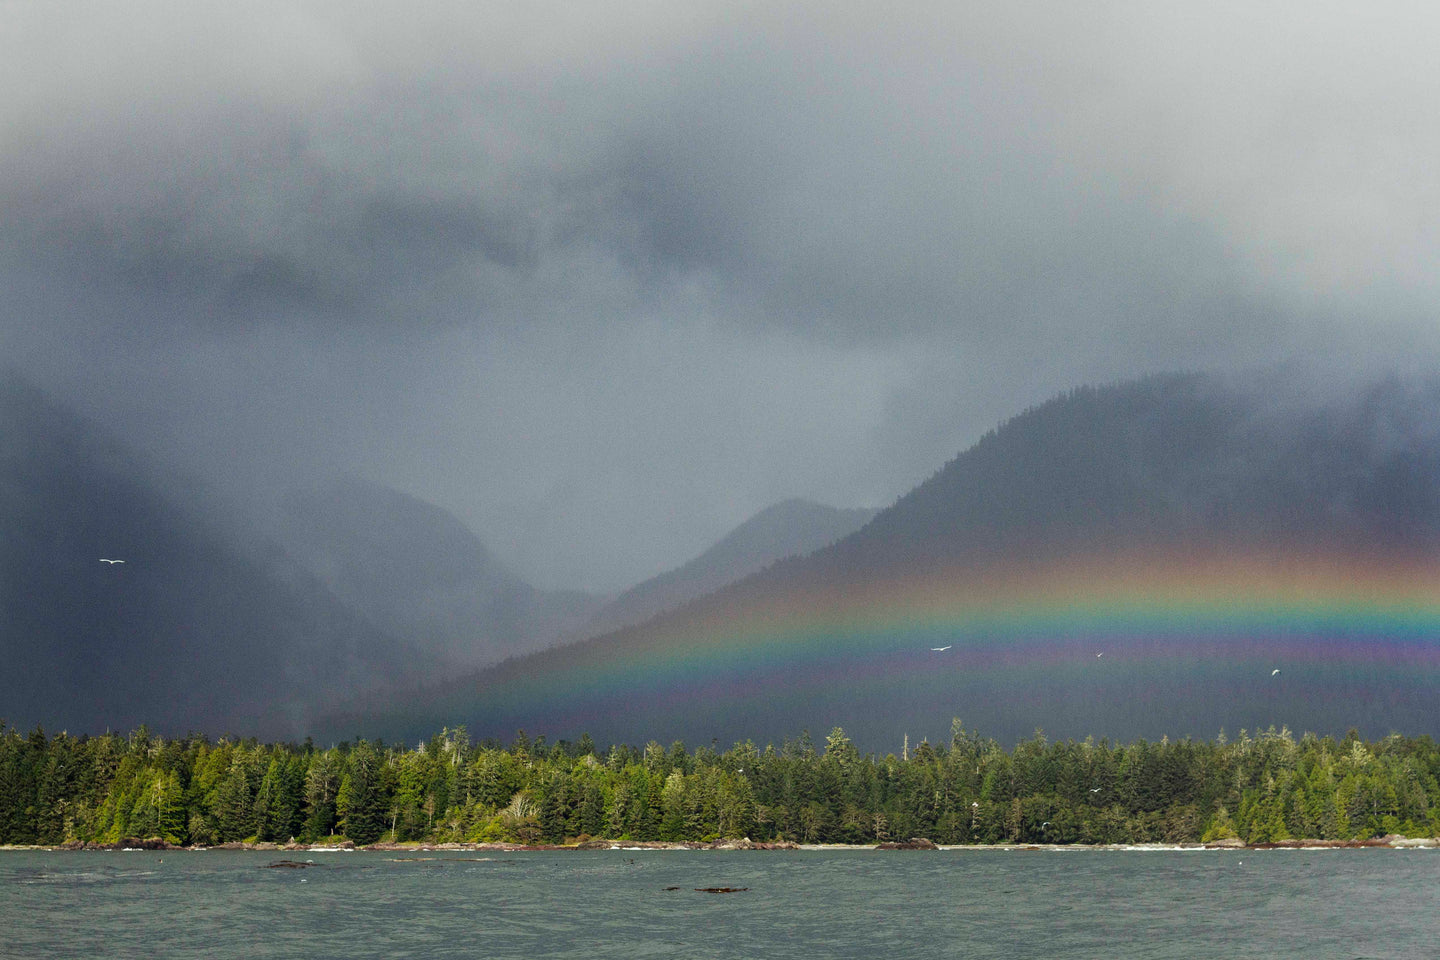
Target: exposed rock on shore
(748,844)
(129,843)
(914,843)
(1390,841)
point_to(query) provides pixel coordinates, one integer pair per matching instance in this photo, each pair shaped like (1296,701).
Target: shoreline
(917,844)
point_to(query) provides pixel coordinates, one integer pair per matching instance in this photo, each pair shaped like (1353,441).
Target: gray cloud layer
(606,282)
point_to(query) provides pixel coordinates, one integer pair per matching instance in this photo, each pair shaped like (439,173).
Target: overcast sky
(605,279)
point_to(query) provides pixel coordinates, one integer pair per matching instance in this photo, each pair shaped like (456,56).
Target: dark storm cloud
(606,281)
(809,182)
(240,216)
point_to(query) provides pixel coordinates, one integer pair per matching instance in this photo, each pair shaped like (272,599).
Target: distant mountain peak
(1200,533)
(793,527)
(413,569)
(380,525)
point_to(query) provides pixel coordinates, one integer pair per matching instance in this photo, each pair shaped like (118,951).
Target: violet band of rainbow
(1339,617)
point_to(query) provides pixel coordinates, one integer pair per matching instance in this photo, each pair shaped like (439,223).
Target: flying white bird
(1100,654)
(1275,671)
(103,560)
(942,649)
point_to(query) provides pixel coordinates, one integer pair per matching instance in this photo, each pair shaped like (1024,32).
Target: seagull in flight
(1275,671)
(942,649)
(104,560)
(1100,654)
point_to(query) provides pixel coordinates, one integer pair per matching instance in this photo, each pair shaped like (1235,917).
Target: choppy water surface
(962,903)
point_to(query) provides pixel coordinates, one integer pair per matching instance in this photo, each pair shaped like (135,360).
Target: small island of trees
(1258,787)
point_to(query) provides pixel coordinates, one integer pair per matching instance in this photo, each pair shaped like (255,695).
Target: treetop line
(1260,787)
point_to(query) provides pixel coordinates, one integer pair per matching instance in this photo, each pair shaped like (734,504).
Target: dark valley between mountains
(1170,556)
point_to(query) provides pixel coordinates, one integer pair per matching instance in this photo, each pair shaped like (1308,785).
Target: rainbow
(1094,645)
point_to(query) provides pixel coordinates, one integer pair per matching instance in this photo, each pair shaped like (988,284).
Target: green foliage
(362,801)
(1261,787)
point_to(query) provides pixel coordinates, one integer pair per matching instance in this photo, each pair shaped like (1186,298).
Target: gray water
(956,903)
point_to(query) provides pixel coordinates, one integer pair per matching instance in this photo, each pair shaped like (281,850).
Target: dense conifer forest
(1257,787)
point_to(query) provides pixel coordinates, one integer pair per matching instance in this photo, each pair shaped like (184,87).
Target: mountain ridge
(193,629)
(413,569)
(1181,485)
(244,620)
(792,527)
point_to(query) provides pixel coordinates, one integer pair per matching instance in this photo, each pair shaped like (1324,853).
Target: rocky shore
(1392,841)
(155,843)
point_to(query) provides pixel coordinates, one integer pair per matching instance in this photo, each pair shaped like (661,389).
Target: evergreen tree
(18,793)
(322,790)
(232,806)
(362,802)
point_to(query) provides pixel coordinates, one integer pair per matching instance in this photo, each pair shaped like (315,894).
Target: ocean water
(812,904)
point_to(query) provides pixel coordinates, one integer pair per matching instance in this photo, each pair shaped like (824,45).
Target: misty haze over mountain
(415,571)
(217,620)
(350,600)
(595,285)
(788,529)
(1182,467)
(199,625)
(604,283)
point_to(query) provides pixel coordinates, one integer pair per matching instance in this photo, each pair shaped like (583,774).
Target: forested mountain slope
(1167,556)
(1178,460)
(203,626)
